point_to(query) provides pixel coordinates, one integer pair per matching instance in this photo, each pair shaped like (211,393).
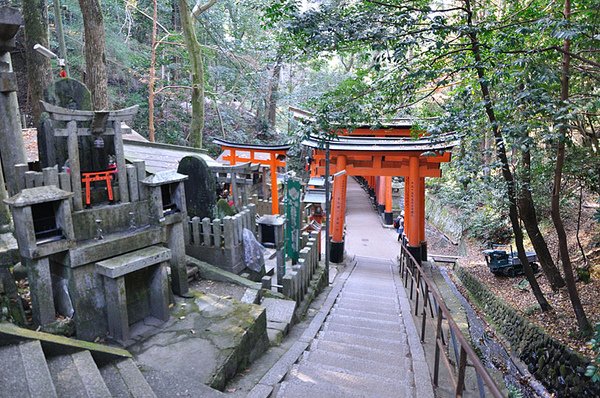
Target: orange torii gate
(272,156)
(378,157)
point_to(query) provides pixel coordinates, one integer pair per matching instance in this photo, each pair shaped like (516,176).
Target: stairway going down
(363,348)
(35,364)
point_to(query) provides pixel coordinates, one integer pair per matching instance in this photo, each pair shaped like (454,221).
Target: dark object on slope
(507,263)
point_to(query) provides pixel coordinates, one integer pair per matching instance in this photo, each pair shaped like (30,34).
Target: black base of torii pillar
(336,254)
(418,252)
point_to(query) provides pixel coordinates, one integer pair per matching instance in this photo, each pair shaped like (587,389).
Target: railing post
(462,364)
(424,317)
(438,334)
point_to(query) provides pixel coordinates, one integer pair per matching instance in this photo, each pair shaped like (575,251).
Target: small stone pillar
(270,233)
(11,139)
(166,194)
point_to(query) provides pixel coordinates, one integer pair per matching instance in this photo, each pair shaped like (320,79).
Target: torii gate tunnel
(272,156)
(378,155)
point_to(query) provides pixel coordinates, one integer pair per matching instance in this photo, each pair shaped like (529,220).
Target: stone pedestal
(114,272)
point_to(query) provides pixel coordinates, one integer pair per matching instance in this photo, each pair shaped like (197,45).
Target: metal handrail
(422,284)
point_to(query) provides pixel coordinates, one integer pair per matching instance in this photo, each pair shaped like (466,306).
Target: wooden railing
(423,292)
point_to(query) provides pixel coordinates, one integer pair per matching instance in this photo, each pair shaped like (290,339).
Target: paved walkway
(368,345)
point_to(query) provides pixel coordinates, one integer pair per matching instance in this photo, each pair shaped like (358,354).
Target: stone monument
(200,187)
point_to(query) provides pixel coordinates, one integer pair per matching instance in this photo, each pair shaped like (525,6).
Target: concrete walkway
(368,345)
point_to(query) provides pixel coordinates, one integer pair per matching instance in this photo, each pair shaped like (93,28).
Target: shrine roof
(392,144)
(161,157)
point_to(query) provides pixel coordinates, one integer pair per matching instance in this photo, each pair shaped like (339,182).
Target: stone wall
(299,277)
(444,218)
(560,369)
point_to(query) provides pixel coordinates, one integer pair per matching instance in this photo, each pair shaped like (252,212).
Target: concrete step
(392,346)
(124,380)
(297,388)
(352,300)
(394,371)
(391,299)
(394,335)
(373,354)
(366,323)
(76,375)
(367,307)
(354,383)
(366,315)
(24,372)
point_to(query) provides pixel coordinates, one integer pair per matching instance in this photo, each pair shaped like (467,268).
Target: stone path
(368,345)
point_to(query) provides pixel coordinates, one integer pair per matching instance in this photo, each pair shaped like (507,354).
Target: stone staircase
(34,364)
(362,349)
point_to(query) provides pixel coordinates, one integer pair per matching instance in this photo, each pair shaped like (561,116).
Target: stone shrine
(98,236)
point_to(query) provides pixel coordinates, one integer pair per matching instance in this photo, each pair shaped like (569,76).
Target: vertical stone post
(116,300)
(206,232)
(228,233)
(176,242)
(40,286)
(217,232)
(159,292)
(11,139)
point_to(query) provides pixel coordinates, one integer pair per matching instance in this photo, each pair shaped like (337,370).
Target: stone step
(391,299)
(366,323)
(367,307)
(374,354)
(367,315)
(354,383)
(395,371)
(393,305)
(124,380)
(24,372)
(393,346)
(365,332)
(76,375)
(296,388)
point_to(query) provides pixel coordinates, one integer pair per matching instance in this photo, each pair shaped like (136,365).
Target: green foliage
(223,209)
(593,369)
(514,392)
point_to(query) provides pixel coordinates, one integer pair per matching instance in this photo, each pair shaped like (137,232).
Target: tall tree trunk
(152,73)
(274,94)
(197,63)
(529,217)
(582,321)
(501,153)
(95,57)
(35,15)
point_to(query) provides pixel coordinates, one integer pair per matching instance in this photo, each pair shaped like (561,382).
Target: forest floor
(560,322)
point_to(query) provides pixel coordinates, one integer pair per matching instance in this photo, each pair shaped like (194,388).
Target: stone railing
(298,278)
(263,206)
(219,242)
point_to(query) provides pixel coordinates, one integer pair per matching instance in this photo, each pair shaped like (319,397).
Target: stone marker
(200,187)
(67,93)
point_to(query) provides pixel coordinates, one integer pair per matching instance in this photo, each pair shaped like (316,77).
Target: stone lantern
(43,227)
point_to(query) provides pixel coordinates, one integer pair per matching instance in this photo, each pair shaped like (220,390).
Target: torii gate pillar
(338,210)
(414,210)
